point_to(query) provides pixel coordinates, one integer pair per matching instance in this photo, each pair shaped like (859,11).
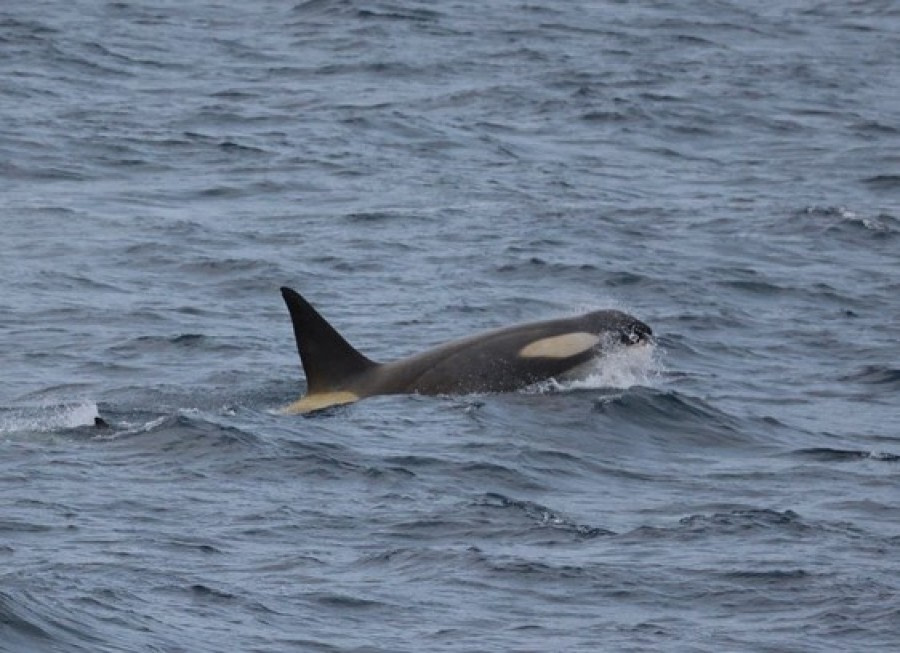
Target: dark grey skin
(502,360)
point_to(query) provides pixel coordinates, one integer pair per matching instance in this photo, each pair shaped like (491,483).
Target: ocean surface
(728,172)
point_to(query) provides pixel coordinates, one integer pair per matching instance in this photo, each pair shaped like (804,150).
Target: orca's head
(619,327)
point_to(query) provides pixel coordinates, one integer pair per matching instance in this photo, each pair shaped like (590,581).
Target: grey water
(728,172)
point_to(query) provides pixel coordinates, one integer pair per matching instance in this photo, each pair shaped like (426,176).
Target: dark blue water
(728,172)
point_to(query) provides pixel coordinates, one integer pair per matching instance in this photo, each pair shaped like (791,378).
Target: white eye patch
(564,346)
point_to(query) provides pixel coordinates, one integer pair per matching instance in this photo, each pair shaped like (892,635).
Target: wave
(170,343)
(881,375)
(665,412)
(186,430)
(743,521)
(495,516)
(843,222)
(539,516)
(827,454)
(30,625)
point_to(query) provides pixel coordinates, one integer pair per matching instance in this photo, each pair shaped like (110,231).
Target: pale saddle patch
(318,401)
(564,346)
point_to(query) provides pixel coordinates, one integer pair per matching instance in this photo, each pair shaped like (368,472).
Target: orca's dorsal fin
(329,361)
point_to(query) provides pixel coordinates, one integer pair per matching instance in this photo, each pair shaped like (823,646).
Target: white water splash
(619,368)
(48,418)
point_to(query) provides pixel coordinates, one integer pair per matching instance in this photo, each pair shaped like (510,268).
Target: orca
(501,360)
